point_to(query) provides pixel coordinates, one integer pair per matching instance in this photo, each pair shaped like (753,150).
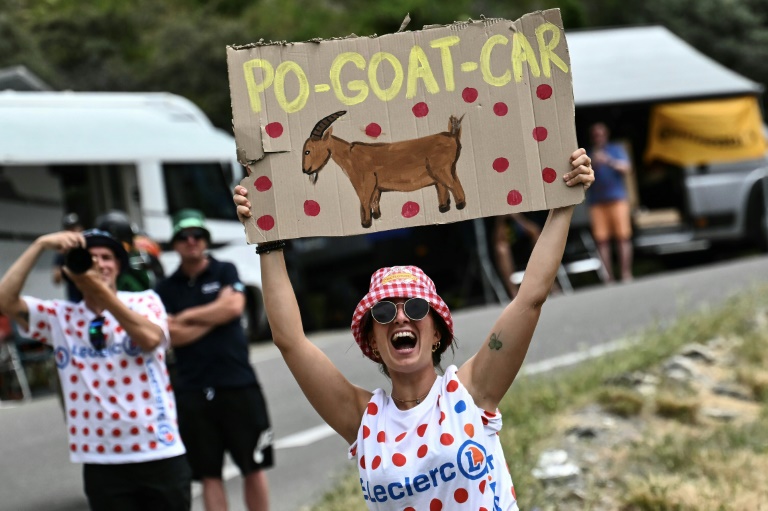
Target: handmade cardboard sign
(362,134)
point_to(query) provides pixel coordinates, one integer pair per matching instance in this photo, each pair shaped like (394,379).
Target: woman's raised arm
(338,402)
(490,372)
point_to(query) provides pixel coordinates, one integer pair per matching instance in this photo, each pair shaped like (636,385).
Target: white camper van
(149,155)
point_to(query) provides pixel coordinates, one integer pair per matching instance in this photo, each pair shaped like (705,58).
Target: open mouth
(403,341)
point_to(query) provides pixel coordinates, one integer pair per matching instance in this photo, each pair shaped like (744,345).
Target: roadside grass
(680,468)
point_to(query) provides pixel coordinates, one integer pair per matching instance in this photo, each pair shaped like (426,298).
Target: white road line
(305,438)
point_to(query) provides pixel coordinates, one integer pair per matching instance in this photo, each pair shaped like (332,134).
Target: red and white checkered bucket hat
(398,282)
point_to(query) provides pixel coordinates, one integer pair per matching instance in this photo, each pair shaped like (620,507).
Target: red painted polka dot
(482,486)
(422,451)
(127,380)
(311,208)
(123,364)
(140,360)
(111,383)
(262,184)
(543,91)
(469,429)
(421,430)
(153,445)
(86,414)
(410,209)
(514,495)
(99,415)
(398,459)
(95,367)
(136,448)
(442,418)
(73,413)
(409,508)
(73,430)
(40,308)
(96,384)
(446,439)
(500,164)
(461,495)
(420,109)
(372,409)
(373,130)
(73,448)
(489,414)
(134,430)
(500,109)
(143,377)
(100,448)
(539,133)
(469,94)
(85,447)
(148,412)
(145,394)
(133,414)
(73,396)
(118,448)
(110,366)
(436,505)
(99,432)
(376,462)
(129,397)
(399,437)
(362,461)
(514,198)
(381,437)
(115,416)
(485,421)
(113,400)
(266,222)
(86,431)
(274,129)
(549,175)
(452,386)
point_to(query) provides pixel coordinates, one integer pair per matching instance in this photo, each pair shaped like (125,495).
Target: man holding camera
(109,349)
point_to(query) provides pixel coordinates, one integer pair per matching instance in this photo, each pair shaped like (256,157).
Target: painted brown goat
(384,167)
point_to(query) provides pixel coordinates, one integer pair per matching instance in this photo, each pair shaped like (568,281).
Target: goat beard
(313,177)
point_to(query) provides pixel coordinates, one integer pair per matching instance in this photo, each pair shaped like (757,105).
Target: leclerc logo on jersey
(61,356)
(130,347)
(472,461)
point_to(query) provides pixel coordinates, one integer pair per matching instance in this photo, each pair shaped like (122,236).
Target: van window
(200,186)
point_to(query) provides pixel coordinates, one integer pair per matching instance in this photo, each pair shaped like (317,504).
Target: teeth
(403,334)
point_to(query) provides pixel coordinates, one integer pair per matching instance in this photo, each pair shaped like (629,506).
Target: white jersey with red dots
(443,454)
(119,403)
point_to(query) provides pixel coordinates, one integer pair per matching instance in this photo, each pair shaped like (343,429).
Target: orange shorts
(611,220)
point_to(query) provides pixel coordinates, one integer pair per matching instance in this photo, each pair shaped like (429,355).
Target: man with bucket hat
(221,406)
(109,349)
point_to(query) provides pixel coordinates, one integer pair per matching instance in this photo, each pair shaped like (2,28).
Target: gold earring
(375,352)
(436,346)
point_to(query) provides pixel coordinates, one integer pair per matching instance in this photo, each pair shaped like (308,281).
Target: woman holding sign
(431,442)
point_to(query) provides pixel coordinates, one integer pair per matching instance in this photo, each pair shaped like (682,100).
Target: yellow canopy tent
(706,131)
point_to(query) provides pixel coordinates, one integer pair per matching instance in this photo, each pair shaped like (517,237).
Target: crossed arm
(191,324)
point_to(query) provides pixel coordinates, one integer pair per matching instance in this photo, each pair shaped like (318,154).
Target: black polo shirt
(219,358)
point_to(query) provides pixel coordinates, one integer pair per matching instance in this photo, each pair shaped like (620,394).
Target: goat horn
(323,124)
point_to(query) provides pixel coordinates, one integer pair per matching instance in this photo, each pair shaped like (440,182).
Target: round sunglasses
(385,311)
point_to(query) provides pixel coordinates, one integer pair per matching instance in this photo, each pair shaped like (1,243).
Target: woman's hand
(582,172)
(243,204)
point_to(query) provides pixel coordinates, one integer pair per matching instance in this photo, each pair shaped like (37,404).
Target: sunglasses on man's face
(385,311)
(187,235)
(96,333)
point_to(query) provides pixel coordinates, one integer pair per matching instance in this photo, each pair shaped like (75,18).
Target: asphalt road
(35,474)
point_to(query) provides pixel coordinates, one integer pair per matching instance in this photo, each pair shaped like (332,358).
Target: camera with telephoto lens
(78,260)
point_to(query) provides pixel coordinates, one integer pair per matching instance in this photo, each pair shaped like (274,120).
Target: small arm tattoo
(23,316)
(495,343)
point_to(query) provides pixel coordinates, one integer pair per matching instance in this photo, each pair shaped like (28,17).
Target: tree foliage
(179,45)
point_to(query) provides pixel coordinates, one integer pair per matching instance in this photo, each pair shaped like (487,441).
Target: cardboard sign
(363,134)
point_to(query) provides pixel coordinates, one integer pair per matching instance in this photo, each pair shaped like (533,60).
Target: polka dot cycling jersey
(119,403)
(442,454)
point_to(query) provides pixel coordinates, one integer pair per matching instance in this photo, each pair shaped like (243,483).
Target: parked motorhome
(149,155)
